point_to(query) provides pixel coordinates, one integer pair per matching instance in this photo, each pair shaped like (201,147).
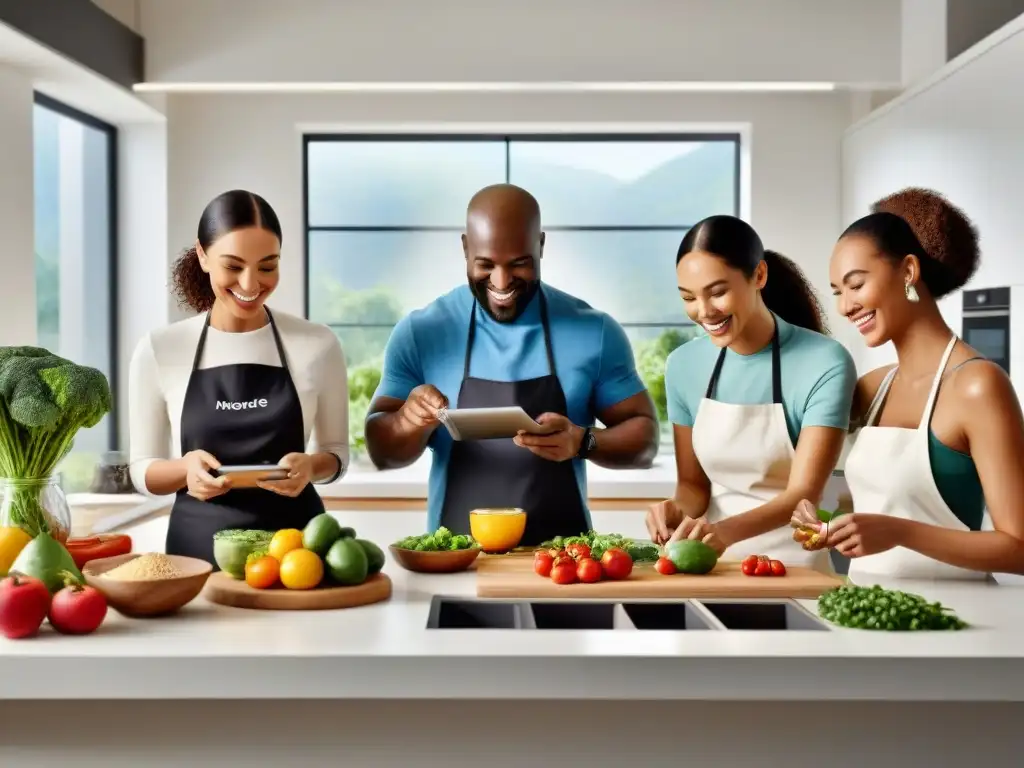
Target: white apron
(889,473)
(746,452)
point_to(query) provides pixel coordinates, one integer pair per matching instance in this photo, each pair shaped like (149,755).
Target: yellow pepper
(12,541)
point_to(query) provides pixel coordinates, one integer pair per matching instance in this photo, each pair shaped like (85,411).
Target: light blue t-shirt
(593,360)
(818,379)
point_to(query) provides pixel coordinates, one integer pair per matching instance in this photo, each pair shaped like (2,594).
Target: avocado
(46,559)
(347,533)
(320,533)
(691,556)
(347,562)
(374,555)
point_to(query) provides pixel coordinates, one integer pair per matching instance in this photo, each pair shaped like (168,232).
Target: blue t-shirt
(593,361)
(818,379)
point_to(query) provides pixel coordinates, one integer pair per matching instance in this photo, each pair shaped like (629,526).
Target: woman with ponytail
(236,385)
(759,405)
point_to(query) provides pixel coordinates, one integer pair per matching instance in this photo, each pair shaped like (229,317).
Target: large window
(384,216)
(75,236)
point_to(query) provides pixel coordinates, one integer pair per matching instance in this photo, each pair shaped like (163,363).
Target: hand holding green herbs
(599,543)
(886,609)
(44,401)
(441,540)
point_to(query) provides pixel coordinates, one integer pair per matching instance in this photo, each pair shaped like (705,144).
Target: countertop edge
(621,678)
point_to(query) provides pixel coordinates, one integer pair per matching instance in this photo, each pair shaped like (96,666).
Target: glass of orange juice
(497,529)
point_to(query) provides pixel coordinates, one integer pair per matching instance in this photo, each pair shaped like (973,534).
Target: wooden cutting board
(221,588)
(513,577)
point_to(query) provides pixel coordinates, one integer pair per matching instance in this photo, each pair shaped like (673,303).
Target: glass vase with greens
(44,401)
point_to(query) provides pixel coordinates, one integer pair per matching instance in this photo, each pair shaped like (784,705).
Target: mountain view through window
(385,216)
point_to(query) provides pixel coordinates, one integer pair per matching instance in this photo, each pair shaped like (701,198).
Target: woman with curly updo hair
(236,385)
(941,431)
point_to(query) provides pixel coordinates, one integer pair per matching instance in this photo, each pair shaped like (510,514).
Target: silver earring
(912,294)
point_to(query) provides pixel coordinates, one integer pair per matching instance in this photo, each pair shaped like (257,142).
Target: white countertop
(385,651)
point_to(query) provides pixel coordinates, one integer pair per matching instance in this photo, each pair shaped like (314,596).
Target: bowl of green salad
(439,552)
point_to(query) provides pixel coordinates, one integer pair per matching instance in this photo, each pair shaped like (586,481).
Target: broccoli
(44,401)
(441,540)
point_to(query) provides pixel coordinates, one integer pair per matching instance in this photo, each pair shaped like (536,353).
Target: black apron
(499,473)
(265,430)
(776,369)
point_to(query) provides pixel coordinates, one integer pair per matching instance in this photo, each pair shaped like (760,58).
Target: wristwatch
(587,444)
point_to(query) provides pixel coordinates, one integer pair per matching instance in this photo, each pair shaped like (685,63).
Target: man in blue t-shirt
(506,339)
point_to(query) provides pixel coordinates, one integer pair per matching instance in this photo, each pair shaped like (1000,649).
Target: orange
(301,569)
(284,541)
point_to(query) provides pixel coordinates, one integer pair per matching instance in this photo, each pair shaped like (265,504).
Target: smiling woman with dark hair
(759,406)
(235,385)
(942,432)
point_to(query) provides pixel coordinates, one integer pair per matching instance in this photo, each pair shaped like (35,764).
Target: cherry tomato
(262,572)
(665,567)
(588,570)
(564,572)
(752,559)
(556,552)
(578,550)
(77,609)
(778,569)
(617,563)
(542,563)
(763,568)
(749,567)
(24,601)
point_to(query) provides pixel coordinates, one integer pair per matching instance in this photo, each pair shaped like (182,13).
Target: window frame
(508,139)
(111,133)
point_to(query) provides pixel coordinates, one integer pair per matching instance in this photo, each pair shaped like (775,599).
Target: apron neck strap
(776,368)
(883,390)
(273,328)
(544,326)
(876,403)
(926,417)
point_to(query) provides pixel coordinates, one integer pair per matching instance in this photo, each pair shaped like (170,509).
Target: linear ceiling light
(486,87)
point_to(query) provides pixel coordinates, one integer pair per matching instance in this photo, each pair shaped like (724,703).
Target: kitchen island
(373,686)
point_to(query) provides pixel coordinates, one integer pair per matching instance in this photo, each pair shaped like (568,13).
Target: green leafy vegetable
(599,543)
(441,540)
(884,609)
(44,401)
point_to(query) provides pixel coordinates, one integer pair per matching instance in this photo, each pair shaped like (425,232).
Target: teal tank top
(957,478)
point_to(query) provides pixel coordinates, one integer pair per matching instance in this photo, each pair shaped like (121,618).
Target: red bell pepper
(94,547)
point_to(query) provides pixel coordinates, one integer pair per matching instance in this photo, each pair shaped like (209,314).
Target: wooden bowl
(449,561)
(148,598)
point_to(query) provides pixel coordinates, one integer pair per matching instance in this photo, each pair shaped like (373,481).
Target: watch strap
(586,444)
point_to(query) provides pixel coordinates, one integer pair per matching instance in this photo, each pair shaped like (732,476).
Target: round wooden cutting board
(221,588)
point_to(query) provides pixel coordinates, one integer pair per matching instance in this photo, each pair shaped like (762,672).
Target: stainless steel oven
(986,323)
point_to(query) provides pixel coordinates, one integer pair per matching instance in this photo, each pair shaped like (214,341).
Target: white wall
(959,133)
(254,142)
(17,210)
(445,40)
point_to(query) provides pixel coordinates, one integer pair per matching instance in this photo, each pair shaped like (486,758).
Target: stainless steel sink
(675,615)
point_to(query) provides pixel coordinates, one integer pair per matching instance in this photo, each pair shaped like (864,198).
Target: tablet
(247,475)
(489,423)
